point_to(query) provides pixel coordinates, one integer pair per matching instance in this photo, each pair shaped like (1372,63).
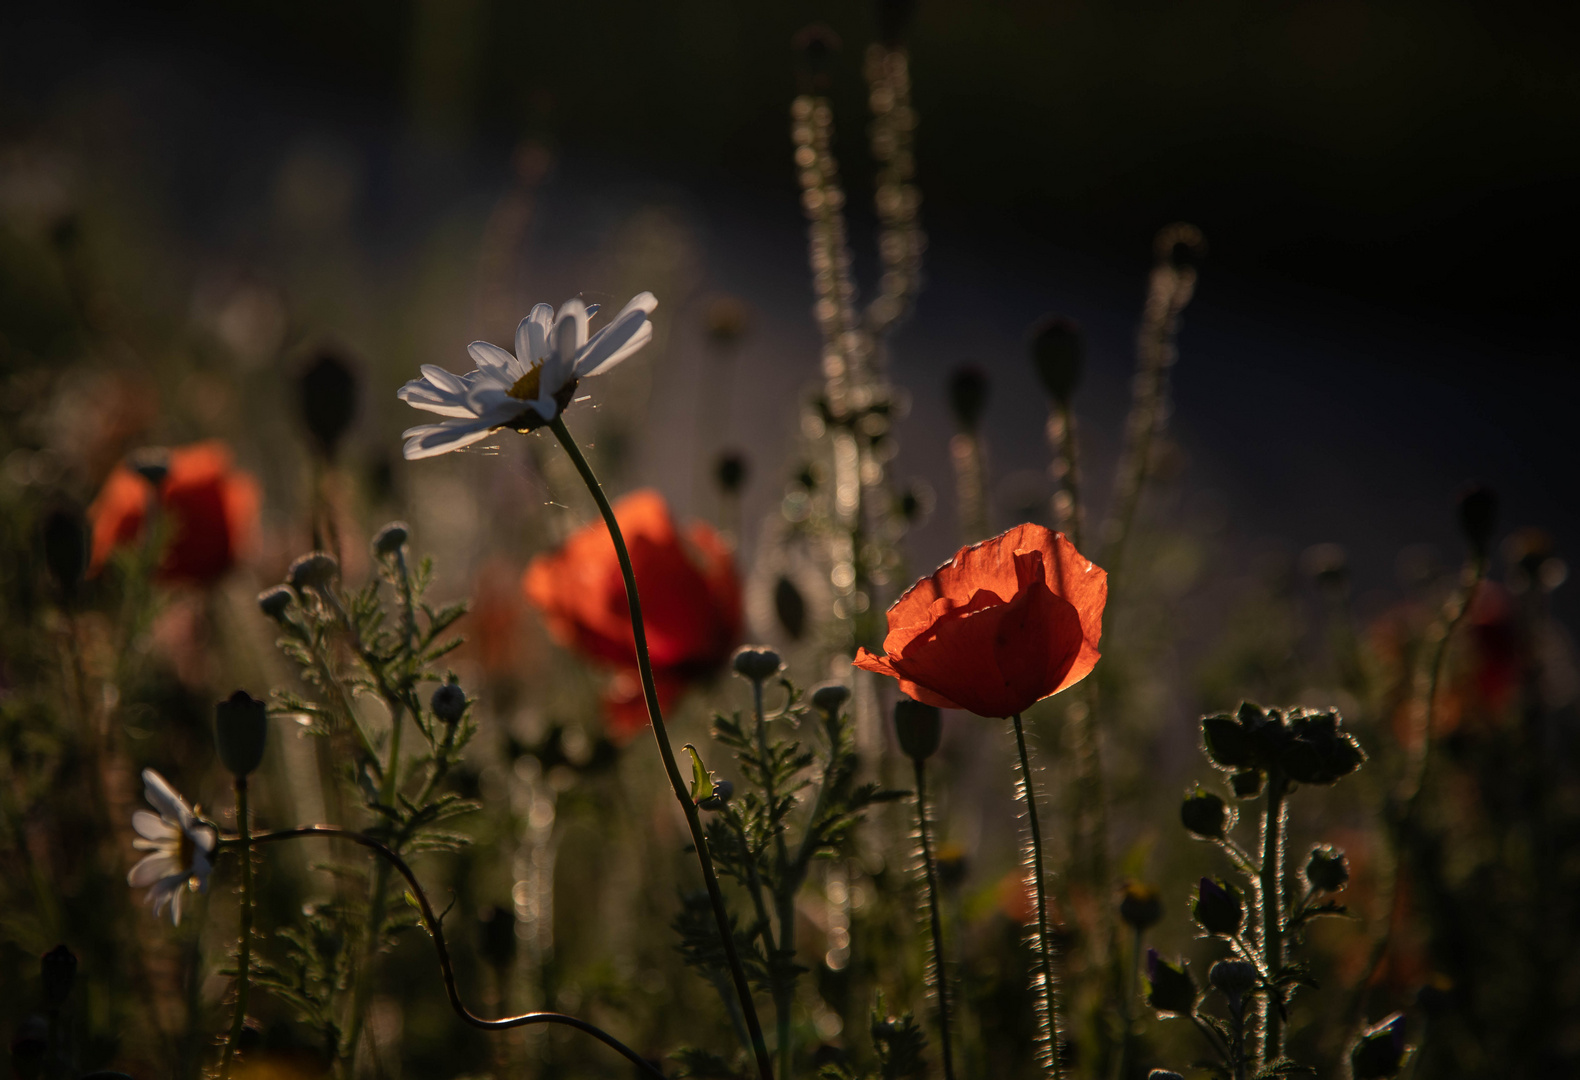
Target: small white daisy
(529,389)
(181,848)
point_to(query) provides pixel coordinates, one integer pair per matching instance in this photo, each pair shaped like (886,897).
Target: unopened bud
(1327,869)
(1234,979)
(790,608)
(723,791)
(151,463)
(730,472)
(328,388)
(64,537)
(830,697)
(968,395)
(1218,909)
(1141,906)
(1164,1074)
(388,541)
(1247,783)
(1204,813)
(1172,990)
(241,728)
(1478,519)
(59,971)
(919,727)
(276,601)
(1058,352)
(448,702)
(757,663)
(315,570)
(1379,1052)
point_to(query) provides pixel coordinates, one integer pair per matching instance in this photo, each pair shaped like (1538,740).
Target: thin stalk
(1274,825)
(244,945)
(1127,1012)
(940,977)
(1050,1013)
(784,901)
(432,924)
(699,839)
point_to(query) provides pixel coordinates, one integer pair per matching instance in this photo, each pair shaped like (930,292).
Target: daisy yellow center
(526,388)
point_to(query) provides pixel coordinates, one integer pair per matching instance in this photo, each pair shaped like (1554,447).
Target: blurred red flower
(1003,624)
(691,602)
(213,511)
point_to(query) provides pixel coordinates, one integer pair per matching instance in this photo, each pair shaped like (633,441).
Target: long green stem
(940,976)
(1273,828)
(721,914)
(1127,1013)
(244,947)
(1050,1011)
(784,902)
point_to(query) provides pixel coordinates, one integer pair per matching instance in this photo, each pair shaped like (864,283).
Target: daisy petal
(164,798)
(445,380)
(421,394)
(613,344)
(535,329)
(495,362)
(436,439)
(153,827)
(151,869)
(569,332)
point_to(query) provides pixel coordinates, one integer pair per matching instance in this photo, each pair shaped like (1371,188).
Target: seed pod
(1058,352)
(328,389)
(919,727)
(390,539)
(1234,979)
(241,729)
(276,601)
(314,570)
(730,472)
(830,697)
(448,703)
(756,662)
(968,395)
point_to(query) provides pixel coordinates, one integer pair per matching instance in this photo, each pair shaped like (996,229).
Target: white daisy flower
(526,390)
(181,848)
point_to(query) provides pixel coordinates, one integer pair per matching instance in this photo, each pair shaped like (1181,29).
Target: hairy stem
(661,736)
(1050,1012)
(940,977)
(244,946)
(1274,825)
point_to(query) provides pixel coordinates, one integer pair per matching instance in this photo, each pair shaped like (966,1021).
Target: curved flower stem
(431,923)
(1050,1012)
(1274,826)
(244,948)
(940,977)
(661,736)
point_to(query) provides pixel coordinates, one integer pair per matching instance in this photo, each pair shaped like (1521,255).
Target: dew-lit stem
(431,923)
(244,933)
(661,736)
(940,976)
(1050,1013)
(1274,825)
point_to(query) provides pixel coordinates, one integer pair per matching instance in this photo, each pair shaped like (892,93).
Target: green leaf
(701,778)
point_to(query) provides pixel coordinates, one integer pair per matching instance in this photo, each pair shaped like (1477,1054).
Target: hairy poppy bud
(1058,352)
(1172,988)
(1228,740)
(241,727)
(59,971)
(918,727)
(328,388)
(1247,783)
(1327,869)
(1204,813)
(448,702)
(313,571)
(1316,751)
(64,537)
(1233,979)
(723,791)
(1478,519)
(830,697)
(1379,1051)
(968,395)
(790,608)
(730,471)
(388,541)
(1218,909)
(276,601)
(1141,906)
(756,663)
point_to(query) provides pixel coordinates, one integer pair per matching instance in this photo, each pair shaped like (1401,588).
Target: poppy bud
(1379,1051)
(64,538)
(1164,1074)
(918,727)
(328,388)
(313,571)
(1247,783)
(830,697)
(448,702)
(241,727)
(730,472)
(1233,979)
(151,463)
(275,602)
(388,541)
(968,395)
(1316,751)
(1172,988)
(1141,906)
(815,47)
(1327,869)
(756,663)
(496,936)
(1218,909)
(59,970)
(1204,813)
(1058,352)
(723,791)
(790,607)
(1478,519)
(1228,740)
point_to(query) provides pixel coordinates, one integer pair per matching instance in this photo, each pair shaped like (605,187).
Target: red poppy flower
(1003,624)
(213,511)
(691,601)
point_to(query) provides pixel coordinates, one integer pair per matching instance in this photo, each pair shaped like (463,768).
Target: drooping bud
(1058,352)
(790,608)
(388,541)
(1218,909)
(1379,1052)
(241,729)
(315,570)
(276,601)
(449,702)
(730,472)
(64,538)
(328,388)
(1204,813)
(1327,869)
(757,663)
(830,697)
(968,395)
(1141,906)
(1172,988)
(1478,519)
(919,727)
(59,970)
